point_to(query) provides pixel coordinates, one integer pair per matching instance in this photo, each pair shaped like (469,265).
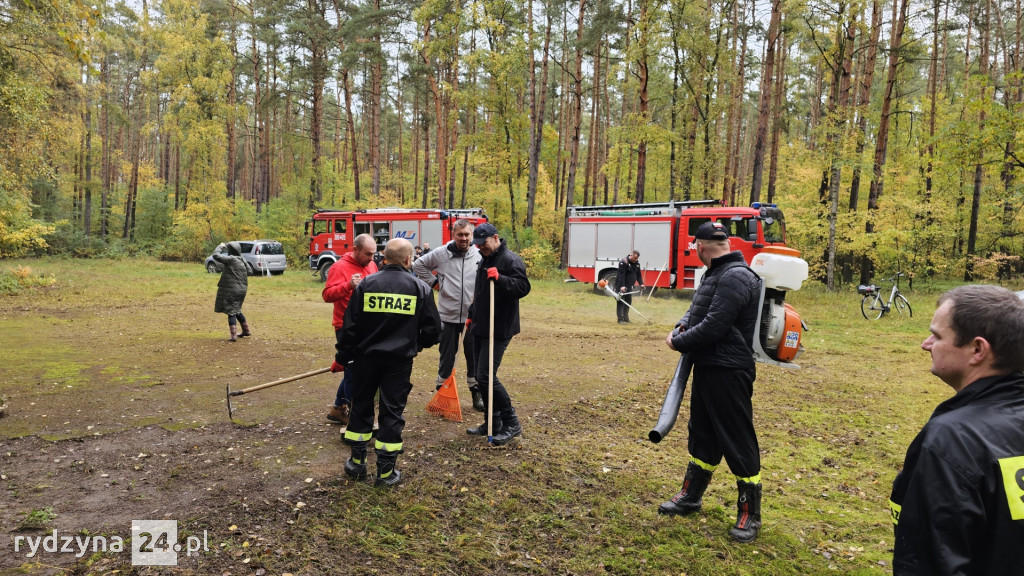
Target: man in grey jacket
(451,270)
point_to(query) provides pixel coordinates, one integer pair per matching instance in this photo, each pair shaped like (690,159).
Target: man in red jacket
(342,279)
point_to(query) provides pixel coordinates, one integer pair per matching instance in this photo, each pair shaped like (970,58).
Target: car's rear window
(271,248)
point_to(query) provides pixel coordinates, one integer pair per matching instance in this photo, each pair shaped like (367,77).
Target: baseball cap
(482,232)
(712,231)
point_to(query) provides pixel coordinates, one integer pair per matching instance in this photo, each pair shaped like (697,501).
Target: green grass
(115,346)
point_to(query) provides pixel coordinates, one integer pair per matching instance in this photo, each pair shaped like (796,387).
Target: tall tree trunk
(316,121)
(426,161)
(577,120)
(764,106)
(983,69)
(865,80)
(353,141)
(882,139)
(376,97)
(87,205)
(643,78)
(777,114)
(844,64)
(539,95)
(232,101)
(105,144)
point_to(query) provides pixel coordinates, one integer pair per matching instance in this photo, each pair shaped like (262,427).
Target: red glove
(335,367)
(468,321)
(492,273)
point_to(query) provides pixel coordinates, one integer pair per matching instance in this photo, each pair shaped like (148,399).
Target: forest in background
(887,132)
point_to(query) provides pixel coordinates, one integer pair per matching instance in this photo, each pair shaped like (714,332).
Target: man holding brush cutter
(500,283)
(627,276)
(390,318)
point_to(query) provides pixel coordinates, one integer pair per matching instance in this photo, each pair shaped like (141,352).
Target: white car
(259,256)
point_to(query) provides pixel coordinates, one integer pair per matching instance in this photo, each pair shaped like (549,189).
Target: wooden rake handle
(278,382)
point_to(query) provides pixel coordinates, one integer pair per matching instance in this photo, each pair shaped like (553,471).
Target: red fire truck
(663,234)
(331,232)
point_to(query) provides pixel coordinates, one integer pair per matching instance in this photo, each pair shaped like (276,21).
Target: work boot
(245,330)
(509,430)
(478,399)
(234,333)
(387,475)
(339,414)
(689,498)
(438,383)
(355,466)
(748,512)
(481,430)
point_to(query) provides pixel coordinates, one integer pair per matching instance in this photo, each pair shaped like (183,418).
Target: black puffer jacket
(720,322)
(511,285)
(958,504)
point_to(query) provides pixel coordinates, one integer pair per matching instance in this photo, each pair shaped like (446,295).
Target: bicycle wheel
(871,307)
(902,305)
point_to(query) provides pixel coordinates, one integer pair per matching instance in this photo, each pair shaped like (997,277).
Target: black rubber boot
(690,496)
(245,330)
(355,466)
(748,512)
(510,428)
(481,430)
(478,400)
(387,475)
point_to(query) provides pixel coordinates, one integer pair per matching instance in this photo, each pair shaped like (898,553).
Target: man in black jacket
(958,504)
(627,276)
(716,331)
(390,318)
(501,266)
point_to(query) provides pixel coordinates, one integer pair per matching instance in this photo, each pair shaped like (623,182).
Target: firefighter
(716,331)
(451,270)
(958,503)
(342,278)
(390,318)
(231,289)
(628,275)
(507,271)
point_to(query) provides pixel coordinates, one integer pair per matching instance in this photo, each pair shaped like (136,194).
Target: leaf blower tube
(673,398)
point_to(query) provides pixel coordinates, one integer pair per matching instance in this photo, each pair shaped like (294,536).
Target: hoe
(268,385)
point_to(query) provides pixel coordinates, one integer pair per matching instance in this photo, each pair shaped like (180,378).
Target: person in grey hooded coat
(234,283)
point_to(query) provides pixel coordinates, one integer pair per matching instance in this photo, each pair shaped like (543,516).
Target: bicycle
(872,306)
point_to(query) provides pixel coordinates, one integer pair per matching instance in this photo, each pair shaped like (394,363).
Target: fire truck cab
(663,233)
(331,232)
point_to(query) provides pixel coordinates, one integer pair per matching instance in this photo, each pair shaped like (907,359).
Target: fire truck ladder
(648,209)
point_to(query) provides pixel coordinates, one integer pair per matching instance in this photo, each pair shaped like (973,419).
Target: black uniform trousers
(622,306)
(390,375)
(449,346)
(502,401)
(722,419)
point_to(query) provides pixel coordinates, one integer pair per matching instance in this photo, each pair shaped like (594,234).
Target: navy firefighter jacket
(958,504)
(391,313)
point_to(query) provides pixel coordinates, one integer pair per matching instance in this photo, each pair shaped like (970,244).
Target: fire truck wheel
(323,271)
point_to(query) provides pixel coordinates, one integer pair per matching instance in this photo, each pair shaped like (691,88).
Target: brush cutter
(618,297)
(268,385)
